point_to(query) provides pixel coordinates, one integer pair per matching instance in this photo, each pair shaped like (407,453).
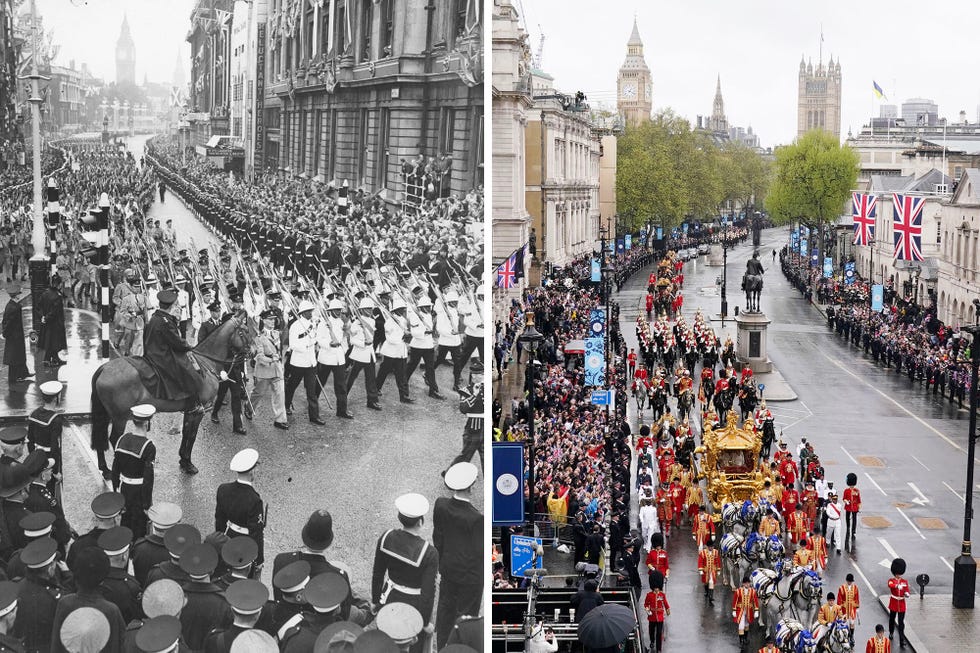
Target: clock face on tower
(629,91)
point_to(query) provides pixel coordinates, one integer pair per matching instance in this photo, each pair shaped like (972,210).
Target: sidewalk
(933,624)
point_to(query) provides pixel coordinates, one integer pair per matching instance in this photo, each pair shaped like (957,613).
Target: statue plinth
(750,343)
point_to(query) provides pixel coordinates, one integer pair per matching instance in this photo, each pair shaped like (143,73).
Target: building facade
(634,85)
(125,56)
(66,101)
(819,98)
(562,177)
(354,89)
(210,85)
(959,266)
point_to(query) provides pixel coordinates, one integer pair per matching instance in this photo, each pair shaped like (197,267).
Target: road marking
(920,462)
(875,484)
(867,582)
(886,563)
(946,562)
(958,495)
(848,454)
(921,499)
(914,527)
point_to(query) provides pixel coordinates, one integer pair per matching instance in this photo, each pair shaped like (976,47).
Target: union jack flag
(865,210)
(506,273)
(908,226)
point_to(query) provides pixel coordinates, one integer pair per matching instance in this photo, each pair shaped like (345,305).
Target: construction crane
(540,54)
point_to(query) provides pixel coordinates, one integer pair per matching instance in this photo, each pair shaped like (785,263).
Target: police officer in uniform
(8,615)
(39,498)
(44,429)
(238,508)
(38,594)
(149,551)
(35,525)
(405,565)
(107,508)
(289,583)
(132,469)
(179,538)
(14,511)
(238,554)
(324,594)
(206,608)
(247,598)
(119,587)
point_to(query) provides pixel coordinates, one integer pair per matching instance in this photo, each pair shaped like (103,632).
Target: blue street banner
(877,297)
(849,274)
(803,246)
(508,483)
(629,241)
(660,233)
(685,227)
(620,245)
(828,266)
(595,362)
(522,556)
(814,258)
(612,246)
(597,323)
(596,271)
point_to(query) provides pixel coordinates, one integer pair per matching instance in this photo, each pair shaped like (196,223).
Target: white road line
(849,455)
(946,562)
(958,495)
(914,527)
(921,499)
(920,462)
(867,582)
(875,484)
(888,547)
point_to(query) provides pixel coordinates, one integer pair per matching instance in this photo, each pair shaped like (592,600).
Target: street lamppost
(530,338)
(965,567)
(724,275)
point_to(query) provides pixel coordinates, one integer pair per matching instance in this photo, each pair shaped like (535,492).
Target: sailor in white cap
(362,356)
(423,345)
(238,508)
(150,551)
(132,469)
(44,428)
(403,624)
(395,349)
(333,341)
(405,564)
(301,365)
(457,533)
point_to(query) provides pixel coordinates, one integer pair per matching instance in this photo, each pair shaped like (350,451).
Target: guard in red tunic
(703,527)
(707,385)
(657,609)
(132,469)
(745,610)
(677,496)
(852,505)
(665,507)
(657,559)
(631,361)
(899,590)
(709,564)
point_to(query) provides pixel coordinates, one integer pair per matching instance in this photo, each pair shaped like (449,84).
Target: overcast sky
(87,31)
(911,48)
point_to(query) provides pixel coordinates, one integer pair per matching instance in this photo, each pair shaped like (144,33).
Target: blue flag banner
(629,241)
(828,266)
(803,246)
(814,258)
(612,246)
(597,323)
(595,361)
(660,233)
(620,245)
(877,297)
(849,274)
(508,483)
(596,271)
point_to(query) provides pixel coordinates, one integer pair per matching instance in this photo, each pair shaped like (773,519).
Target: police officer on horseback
(166,349)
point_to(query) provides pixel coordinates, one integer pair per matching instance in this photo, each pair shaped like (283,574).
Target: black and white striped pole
(103,249)
(342,199)
(51,219)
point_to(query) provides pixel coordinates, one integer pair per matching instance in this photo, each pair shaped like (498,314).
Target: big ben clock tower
(125,56)
(634,88)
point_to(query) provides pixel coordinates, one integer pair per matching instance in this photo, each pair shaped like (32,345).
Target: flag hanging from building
(878,92)
(511,270)
(864,213)
(908,226)
(519,257)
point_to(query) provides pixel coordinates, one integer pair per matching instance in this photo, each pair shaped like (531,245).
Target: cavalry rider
(166,350)
(707,384)
(762,415)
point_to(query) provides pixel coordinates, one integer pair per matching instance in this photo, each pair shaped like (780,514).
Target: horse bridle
(239,329)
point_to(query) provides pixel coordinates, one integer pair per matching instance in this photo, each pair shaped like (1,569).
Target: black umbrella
(605,626)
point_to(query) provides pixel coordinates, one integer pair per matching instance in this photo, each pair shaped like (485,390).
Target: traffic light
(342,198)
(53,214)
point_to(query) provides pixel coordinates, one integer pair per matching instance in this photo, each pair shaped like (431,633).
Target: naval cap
(19,478)
(412,505)
(90,567)
(244,460)
(325,592)
(181,537)
(247,596)
(37,461)
(39,553)
(164,514)
(37,524)
(116,540)
(158,634)
(51,388)
(338,637)
(400,621)
(161,597)
(461,476)
(199,560)
(143,411)
(166,298)
(254,641)
(84,629)
(374,641)
(13,434)
(8,596)
(293,577)
(240,551)
(108,504)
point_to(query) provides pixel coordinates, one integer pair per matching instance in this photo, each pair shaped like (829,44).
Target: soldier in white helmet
(395,349)
(362,356)
(333,340)
(423,345)
(449,324)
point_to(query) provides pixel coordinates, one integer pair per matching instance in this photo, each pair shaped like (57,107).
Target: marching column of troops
(143,580)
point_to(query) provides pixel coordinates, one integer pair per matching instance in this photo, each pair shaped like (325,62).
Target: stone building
(959,265)
(210,88)
(819,98)
(634,85)
(354,88)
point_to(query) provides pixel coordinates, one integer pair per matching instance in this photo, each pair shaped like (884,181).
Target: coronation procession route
(907,448)
(353,468)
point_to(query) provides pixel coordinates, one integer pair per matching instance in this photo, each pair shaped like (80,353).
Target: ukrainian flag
(878,92)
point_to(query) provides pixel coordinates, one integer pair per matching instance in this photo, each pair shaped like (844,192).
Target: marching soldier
(149,551)
(268,371)
(132,469)
(119,587)
(405,565)
(332,338)
(849,601)
(239,508)
(657,609)
(362,356)
(302,362)
(395,349)
(709,564)
(422,345)
(745,610)
(449,324)
(852,505)
(471,405)
(235,381)
(899,591)
(44,428)
(473,334)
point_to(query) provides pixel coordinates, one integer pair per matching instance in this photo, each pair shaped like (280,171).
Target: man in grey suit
(268,370)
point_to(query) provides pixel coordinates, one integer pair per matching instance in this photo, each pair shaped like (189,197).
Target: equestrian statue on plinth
(752,283)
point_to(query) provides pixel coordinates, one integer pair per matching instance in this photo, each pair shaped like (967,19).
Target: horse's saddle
(148,374)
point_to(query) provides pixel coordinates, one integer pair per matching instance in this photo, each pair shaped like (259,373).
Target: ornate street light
(965,567)
(530,339)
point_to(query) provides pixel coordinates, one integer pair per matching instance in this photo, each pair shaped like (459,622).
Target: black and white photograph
(244,307)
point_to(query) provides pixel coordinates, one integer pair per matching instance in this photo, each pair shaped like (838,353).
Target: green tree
(813,179)
(746,176)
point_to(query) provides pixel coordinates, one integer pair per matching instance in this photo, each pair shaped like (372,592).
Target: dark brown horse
(116,388)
